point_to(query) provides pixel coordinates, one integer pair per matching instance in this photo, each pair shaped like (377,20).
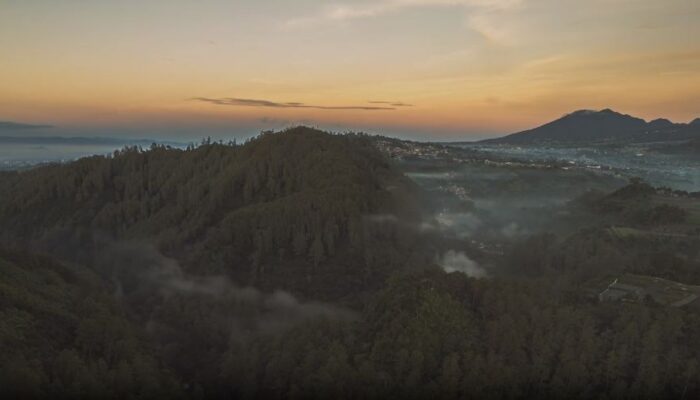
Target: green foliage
(662,214)
(431,334)
(321,215)
(300,195)
(62,336)
(634,205)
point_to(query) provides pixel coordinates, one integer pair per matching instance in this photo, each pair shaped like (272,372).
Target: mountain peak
(580,126)
(593,113)
(660,123)
(582,112)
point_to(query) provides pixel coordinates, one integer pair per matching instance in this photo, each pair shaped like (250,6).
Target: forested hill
(295,266)
(298,197)
(63,334)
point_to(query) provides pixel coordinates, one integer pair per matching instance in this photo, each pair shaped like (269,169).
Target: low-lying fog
(659,165)
(21,155)
(491,202)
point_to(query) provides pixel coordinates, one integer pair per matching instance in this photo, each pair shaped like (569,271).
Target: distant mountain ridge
(83,141)
(590,126)
(14,126)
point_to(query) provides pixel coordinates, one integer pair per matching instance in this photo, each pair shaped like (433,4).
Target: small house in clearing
(618,291)
(637,288)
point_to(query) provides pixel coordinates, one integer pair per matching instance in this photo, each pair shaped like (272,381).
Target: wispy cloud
(479,13)
(391,103)
(233,101)
(487,28)
(344,12)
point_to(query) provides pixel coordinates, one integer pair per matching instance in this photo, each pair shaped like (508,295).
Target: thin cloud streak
(479,14)
(232,101)
(391,103)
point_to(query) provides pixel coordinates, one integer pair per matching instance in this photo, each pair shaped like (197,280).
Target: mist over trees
(300,196)
(302,264)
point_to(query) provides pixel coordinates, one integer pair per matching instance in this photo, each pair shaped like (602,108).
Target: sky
(420,69)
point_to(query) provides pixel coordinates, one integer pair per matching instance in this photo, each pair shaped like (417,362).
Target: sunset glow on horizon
(440,69)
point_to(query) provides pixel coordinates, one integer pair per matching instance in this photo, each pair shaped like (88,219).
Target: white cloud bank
(453,261)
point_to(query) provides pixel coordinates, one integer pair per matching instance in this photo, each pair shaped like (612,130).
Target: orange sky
(452,68)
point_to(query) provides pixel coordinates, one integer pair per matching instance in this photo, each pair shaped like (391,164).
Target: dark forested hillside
(433,334)
(306,265)
(63,336)
(285,201)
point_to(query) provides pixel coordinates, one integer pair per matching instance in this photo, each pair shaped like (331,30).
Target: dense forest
(301,197)
(62,335)
(303,264)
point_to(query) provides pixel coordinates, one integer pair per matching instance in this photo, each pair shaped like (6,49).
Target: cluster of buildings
(405,149)
(638,288)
